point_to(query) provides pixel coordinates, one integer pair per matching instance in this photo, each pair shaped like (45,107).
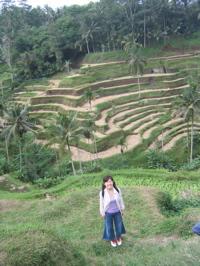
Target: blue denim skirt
(113,226)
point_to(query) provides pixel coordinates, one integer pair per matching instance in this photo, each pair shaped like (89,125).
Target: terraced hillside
(120,107)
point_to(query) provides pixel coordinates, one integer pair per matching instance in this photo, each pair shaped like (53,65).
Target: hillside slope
(121,108)
(66,228)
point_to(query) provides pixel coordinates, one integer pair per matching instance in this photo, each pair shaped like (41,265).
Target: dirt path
(144,119)
(148,132)
(146,125)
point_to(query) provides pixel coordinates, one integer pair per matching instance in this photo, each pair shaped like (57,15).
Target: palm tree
(89,132)
(18,123)
(88,28)
(64,132)
(122,142)
(89,96)
(187,106)
(136,65)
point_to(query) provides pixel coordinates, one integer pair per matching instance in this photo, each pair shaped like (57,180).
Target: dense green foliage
(36,42)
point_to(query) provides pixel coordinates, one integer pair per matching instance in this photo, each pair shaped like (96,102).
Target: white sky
(58,3)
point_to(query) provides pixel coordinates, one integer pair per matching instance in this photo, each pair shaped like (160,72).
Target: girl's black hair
(105,179)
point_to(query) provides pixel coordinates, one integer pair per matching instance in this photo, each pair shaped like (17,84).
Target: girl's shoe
(119,241)
(113,243)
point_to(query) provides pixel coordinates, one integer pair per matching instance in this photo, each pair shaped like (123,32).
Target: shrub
(168,206)
(48,182)
(194,165)
(158,159)
(37,161)
(41,249)
(165,203)
(4,167)
(95,167)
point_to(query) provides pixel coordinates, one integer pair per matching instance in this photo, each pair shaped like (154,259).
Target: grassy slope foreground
(66,229)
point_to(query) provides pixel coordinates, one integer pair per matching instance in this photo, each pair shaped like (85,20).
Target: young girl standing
(111,207)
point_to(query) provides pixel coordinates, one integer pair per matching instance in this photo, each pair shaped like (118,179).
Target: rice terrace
(107,88)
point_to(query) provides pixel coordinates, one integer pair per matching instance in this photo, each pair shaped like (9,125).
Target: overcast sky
(58,3)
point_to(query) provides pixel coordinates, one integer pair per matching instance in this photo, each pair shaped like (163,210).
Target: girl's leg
(119,225)
(108,228)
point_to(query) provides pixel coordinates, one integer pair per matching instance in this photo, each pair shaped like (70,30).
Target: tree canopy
(36,42)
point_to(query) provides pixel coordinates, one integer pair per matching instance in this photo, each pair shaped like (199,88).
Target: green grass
(98,73)
(101,57)
(35,231)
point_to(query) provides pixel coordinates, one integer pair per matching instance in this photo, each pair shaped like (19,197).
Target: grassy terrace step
(44,114)
(134,123)
(134,87)
(103,143)
(82,113)
(163,128)
(126,114)
(182,130)
(21,99)
(100,73)
(60,99)
(163,123)
(127,80)
(127,119)
(117,82)
(173,134)
(146,129)
(136,104)
(173,138)
(189,63)
(174,129)
(61,91)
(119,86)
(33,88)
(25,94)
(144,96)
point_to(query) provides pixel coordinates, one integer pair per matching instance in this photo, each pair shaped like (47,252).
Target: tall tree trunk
(80,163)
(7,152)
(108,38)
(20,156)
(188,140)
(144,33)
(162,140)
(72,163)
(138,79)
(191,142)
(87,43)
(95,146)
(93,48)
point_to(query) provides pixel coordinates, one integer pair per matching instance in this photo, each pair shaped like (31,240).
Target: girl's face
(109,184)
